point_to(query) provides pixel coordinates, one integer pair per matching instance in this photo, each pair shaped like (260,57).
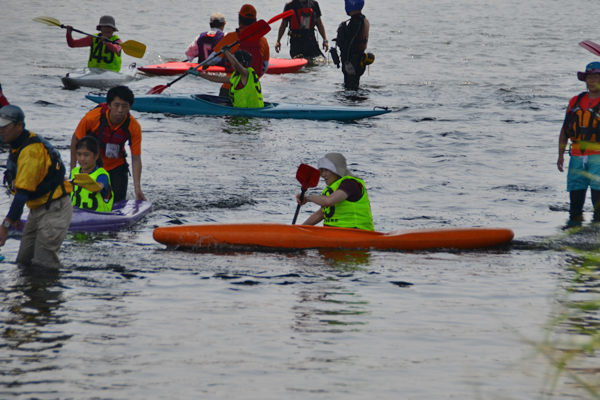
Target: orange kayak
(306,237)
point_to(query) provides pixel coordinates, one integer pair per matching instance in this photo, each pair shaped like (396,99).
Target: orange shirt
(584,104)
(91,122)
(233,36)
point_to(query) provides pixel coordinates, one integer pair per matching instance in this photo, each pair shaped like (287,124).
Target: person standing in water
(303,41)
(112,125)
(35,174)
(582,128)
(352,39)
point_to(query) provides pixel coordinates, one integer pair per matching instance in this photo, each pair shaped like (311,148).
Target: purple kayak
(124,214)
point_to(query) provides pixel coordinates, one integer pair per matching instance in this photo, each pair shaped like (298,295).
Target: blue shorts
(583,172)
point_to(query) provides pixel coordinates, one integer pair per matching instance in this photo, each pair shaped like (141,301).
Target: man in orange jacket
(259,49)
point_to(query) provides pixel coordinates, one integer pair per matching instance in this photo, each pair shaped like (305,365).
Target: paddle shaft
(252,33)
(89,34)
(131,47)
(298,208)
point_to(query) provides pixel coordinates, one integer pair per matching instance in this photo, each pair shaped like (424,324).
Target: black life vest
(105,135)
(348,34)
(53,179)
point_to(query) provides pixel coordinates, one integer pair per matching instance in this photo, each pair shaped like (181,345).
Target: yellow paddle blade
(48,21)
(86,182)
(134,48)
(130,47)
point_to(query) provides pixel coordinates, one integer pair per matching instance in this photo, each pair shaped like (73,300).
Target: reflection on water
(329,309)
(32,329)
(346,259)
(574,333)
(243,125)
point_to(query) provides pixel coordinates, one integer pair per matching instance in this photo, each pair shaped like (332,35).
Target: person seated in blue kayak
(344,201)
(91,183)
(103,54)
(204,44)
(244,88)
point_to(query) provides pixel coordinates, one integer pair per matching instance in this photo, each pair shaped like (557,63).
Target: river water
(478,90)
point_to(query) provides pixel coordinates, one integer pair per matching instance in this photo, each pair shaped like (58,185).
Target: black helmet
(243,58)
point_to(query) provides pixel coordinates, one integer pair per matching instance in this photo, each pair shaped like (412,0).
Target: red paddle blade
(307,176)
(283,15)
(157,89)
(591,47)
(255,31)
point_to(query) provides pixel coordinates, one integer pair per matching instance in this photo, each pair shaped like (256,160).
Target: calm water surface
(478,91)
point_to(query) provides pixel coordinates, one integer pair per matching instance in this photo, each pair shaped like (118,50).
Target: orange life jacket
(303,18)
(105,135)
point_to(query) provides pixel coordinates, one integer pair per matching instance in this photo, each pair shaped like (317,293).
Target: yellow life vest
(347,214)
(101,57)
(250,96)
(87,200)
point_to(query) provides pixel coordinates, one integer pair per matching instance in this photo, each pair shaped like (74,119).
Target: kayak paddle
(252,33)
(286,14)
(283,15)
(86,182)
(591,47)
(308,178)
(130,47)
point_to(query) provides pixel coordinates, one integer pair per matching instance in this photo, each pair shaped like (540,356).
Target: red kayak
(276,66)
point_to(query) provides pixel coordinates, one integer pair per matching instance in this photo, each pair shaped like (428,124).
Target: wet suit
(352,38)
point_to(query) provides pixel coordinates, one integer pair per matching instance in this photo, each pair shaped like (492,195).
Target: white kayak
(98,78)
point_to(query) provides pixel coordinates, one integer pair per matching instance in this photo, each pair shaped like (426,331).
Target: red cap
(248,11)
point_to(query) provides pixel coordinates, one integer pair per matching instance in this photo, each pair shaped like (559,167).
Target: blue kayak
(202,104)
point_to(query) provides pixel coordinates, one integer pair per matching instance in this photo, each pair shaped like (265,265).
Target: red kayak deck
(306,237)
(276,66)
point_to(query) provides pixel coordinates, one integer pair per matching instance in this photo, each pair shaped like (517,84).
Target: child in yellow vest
(91,183)
(245,90)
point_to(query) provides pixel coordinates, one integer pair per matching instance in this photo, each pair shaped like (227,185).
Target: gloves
(86,182)
(192,71)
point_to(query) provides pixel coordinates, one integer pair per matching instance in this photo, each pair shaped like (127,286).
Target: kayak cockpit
(221,101)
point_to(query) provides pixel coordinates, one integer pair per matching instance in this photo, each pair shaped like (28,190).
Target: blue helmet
(353,5)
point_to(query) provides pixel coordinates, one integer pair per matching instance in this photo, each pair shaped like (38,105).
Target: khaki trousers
(44,233)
